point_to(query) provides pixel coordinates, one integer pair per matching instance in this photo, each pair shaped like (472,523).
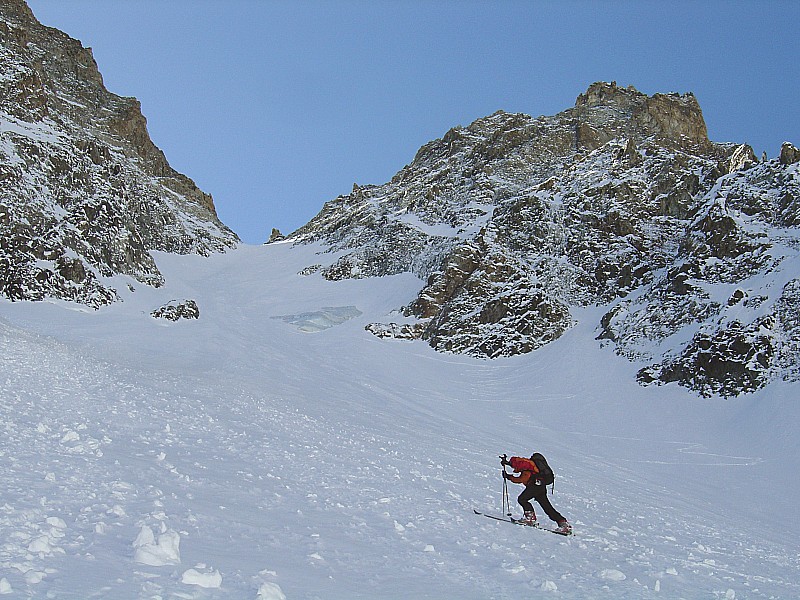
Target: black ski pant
(538,493)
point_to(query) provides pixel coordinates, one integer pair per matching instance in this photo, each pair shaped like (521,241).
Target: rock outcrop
(176,310)
(85,193)
(789,154)
(513,223)
(621,201)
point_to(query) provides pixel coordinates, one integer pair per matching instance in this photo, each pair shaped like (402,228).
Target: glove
(504,462)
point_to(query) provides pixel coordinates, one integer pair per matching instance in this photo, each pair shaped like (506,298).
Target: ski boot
(529,519)
(564,528)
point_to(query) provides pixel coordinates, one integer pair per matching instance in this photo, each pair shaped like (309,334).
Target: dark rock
(727,362)
(176,310)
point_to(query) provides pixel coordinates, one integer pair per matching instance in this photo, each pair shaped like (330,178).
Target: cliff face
(513,223)
(621,201)
(85,193)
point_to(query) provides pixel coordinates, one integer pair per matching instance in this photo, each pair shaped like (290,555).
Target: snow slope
(273,448)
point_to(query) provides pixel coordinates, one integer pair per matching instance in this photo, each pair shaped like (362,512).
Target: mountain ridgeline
(516,226)
(84,192)
(516,223)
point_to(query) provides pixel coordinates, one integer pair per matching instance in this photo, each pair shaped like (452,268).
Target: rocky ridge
(85,193)
(512,223)
(622,201)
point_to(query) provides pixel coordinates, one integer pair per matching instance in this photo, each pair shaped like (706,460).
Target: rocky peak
(18,11)
(602,93)
(615,110)
(789,154)
(514,222)
(86,194)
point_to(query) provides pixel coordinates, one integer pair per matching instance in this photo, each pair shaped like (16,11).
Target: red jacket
(526,468)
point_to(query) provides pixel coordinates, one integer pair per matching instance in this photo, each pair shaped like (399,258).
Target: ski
(518,522)
(495,517)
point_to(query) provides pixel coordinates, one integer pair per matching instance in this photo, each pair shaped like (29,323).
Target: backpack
(546,474)
(537,464)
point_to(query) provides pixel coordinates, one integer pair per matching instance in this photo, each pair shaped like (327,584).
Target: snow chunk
(56,522)
(205,578)
(70,436)
(612,575)
(270,591)
(157,552)
(33,577)
(5,587)
(549,586)
(40,545)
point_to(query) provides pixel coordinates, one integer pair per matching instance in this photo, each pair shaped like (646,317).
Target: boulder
(176,310)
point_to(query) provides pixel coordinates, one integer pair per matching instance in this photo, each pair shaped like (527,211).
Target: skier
(535,474)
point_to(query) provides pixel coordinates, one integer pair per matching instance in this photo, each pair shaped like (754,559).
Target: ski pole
(506,503)
(503,491)
(503,495)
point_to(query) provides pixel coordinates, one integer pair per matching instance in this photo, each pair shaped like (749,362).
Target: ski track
(365,491)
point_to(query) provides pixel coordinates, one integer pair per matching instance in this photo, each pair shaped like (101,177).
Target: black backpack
(546,475)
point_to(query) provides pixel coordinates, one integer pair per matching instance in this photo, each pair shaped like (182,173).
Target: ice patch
(325,318)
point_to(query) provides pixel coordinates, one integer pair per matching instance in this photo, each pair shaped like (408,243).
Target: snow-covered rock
(86,194)
(516,223)
(176,310)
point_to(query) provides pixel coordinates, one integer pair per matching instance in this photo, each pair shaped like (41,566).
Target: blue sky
(276,107)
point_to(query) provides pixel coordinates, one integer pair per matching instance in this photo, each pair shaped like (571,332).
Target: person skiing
(535,474)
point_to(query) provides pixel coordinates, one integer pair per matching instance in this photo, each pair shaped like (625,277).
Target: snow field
(237,457)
